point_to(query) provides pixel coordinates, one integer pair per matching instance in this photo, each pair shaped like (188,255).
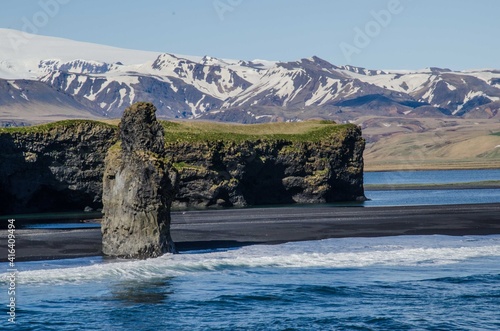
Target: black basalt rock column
(138,188)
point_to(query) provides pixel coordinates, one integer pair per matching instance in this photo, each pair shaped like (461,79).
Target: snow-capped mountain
(102,81)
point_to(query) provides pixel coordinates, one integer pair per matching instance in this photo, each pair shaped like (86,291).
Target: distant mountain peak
(105,80)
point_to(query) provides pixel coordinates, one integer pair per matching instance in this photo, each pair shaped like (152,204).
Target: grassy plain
(425,144)
(313,130)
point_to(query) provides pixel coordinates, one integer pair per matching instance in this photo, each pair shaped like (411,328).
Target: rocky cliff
(138,188)
(53,167)
(318,166)
(59,166)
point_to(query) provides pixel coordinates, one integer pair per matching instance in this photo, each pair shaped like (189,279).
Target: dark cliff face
(139,130)
(60,168)
(138,187)
(53,167)
(225,174)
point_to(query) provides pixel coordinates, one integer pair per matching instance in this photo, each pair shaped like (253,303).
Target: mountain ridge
(101,81)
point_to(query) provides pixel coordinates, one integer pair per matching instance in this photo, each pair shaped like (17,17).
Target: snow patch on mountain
(106,80)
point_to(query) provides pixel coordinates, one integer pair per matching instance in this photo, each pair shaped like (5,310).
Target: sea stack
(138,188)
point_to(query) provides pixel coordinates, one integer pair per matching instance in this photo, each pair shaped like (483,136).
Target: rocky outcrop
(60,166)
(138,188)
(266,171)
(53,167)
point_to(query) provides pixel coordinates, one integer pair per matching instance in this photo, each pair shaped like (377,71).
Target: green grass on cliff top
(53,125)
(196,131)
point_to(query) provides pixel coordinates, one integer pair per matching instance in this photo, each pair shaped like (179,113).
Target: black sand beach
(193,230)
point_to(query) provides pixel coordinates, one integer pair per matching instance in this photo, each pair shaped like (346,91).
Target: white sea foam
(332,253)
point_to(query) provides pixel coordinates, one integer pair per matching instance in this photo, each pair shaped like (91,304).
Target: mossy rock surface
(308,131)
(247,164)
(55,126)
(274,163)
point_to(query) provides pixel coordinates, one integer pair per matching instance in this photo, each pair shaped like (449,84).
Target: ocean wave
(332,253)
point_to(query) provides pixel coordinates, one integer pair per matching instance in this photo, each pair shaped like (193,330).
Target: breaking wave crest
(331,253)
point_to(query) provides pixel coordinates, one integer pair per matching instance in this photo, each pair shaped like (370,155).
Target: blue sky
(376,34)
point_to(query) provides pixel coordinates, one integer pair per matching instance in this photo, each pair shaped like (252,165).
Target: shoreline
(405,165)
(491,184)
(226,228)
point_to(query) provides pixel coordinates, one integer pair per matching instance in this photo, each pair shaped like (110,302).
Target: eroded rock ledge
(322,165)
(60,166)
(53,167)
(138,188)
